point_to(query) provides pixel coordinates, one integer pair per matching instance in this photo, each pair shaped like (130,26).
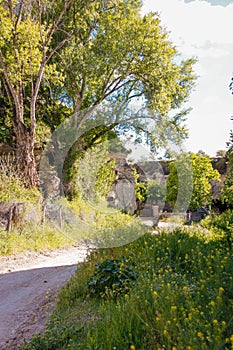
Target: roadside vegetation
(32,237)
(87,218)
(97,224)
(148,290)
(163,291)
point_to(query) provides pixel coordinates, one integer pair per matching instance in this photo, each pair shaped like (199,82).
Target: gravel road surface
(28,287)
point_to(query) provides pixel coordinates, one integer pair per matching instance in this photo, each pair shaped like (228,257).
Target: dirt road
(28,286)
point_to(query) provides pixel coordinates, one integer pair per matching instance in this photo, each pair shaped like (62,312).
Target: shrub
(222,224)
(13,190)
(112,278)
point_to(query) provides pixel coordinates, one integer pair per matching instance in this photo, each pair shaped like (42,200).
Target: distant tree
(221,153)
(201,153)
(231,85)
(202,173)
(227,193)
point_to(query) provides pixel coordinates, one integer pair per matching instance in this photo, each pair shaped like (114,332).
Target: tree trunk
(25,155)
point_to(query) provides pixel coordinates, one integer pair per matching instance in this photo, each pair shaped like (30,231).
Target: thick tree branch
(80,96)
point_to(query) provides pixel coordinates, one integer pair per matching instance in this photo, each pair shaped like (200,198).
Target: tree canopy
(61,57)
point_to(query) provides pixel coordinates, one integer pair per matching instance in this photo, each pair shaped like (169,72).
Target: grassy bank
(32,238)
(166,291)
(82,222)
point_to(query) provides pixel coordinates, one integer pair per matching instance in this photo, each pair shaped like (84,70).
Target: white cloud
(197,22)
(205,31)
(212,51)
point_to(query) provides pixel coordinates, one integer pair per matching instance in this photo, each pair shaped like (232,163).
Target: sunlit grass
(31,237)
(181,299)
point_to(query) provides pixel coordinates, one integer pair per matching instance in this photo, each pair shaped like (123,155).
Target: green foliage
(191,172)
(112,278)
(114,54)
(22,60)
(141,188)
(99,225)
(43,134)
(31,237)
(105,177)
(93,174)
(227,193)
(180,183)
(203,173)
(183,298)
(91,150)
(28,235)
(156,191)
(12,190)
(53,340)
(221,223)
(6,125)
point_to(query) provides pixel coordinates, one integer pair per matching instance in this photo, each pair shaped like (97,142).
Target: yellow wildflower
(173,308)
(200,335)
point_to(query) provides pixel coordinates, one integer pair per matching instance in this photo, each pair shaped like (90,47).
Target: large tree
(83,53)
(27,44)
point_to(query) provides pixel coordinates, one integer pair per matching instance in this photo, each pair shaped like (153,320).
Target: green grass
(31,237)
(182,297)
(96,223)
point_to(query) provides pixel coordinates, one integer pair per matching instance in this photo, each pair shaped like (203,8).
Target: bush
(222,224)
(112,278)
(13,190)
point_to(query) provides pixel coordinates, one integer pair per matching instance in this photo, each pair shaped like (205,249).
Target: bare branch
(6,76)
(18,19)
(115,81)
(136,95)
(115,88)
(105,85)
(59,46)
(10,6)
(56,23)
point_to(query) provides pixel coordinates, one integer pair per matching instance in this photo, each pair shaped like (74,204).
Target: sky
(203,29)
